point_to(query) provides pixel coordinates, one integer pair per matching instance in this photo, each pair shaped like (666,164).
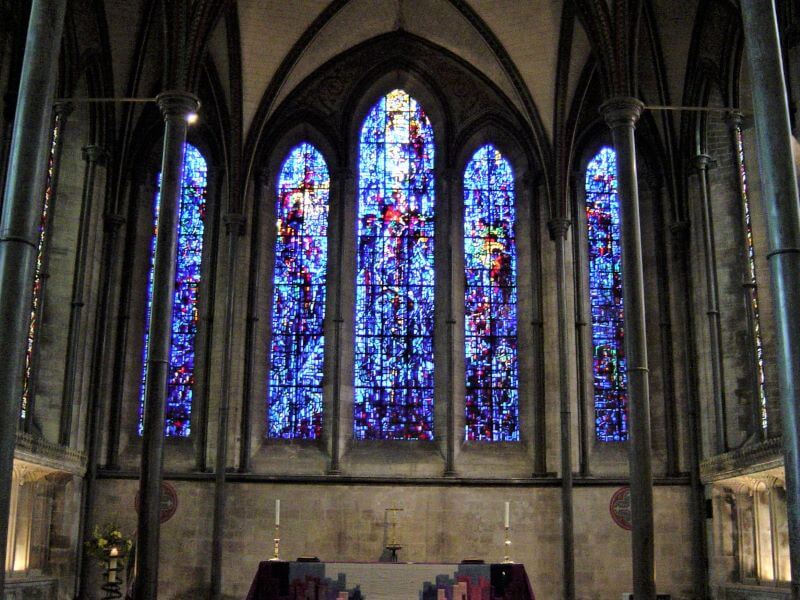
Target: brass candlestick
(507,547)
(393,546)
(277,541)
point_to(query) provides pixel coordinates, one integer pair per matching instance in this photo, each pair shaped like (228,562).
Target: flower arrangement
(105,538)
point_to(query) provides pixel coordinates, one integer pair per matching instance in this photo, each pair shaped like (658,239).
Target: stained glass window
(490,302)
(298,310)
(751,263)
(191,224)
(605,290)
(394,284)
(38,274)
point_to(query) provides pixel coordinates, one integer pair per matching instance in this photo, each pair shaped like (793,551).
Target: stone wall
(441,522)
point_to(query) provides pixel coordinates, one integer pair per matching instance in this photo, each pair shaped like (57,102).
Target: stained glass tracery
(38,273)
(606,297)
(490,261)
(301,256)
(394,284)
(191,225)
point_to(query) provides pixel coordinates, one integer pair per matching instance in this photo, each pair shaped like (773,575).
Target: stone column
(112,224)
(233,229)
(622,114)
(260,182)
(780,196)
(19,223)
(175,107)
(558,233)
(701,163)
(92,155)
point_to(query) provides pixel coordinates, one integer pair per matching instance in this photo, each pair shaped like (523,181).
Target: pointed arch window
(395,273)
(191,226)
(606,298)
(490,298)
(298,303)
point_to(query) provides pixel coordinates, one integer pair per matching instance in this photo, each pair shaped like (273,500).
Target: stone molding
(743,461)
(53,457)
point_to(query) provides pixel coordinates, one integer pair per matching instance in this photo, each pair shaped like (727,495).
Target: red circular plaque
(620,507)
(169,501)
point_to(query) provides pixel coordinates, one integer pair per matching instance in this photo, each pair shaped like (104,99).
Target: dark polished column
(538,397)
(701,163)
(19,224)
(92,155)
(175,107)
(780,197)
(681,244)
(558,233)
(234,224)
(622,114)
(260,183)
(92,440)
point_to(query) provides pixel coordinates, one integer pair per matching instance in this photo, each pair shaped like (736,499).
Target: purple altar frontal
(278,580)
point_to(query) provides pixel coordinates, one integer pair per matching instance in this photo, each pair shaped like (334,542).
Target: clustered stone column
(782,205)
(175,106)
(19,224)
(702,163)
(92,155)
(234,224)
(622,114)
(558,233)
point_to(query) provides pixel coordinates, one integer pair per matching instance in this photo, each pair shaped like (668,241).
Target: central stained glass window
(298,302)
(394,283)
(605,290)
(490,299)
(191,225)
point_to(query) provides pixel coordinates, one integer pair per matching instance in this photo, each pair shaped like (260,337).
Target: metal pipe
(175,106)
(782,205)
(92,155)
(19,224)
(622,114)
(558,233)
(233,226)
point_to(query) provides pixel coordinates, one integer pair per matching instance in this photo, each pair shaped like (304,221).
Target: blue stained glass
(605,290)
(394,284)
(191,224)
(298,311)
(490,321)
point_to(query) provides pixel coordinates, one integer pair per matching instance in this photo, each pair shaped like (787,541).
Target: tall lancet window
(298,302)
(490,302)
(605,290)
(38,273)
(394,282)
(191,224)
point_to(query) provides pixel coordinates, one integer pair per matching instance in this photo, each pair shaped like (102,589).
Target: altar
(281,580)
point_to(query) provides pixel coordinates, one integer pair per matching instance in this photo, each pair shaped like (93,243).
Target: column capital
(621,111)
(558,228)
(94,153)
(234,223)
(177,104)
(702,162)
(734,119)
(63,108)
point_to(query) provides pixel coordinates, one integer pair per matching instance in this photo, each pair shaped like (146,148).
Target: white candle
(507,515)
(277,512)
